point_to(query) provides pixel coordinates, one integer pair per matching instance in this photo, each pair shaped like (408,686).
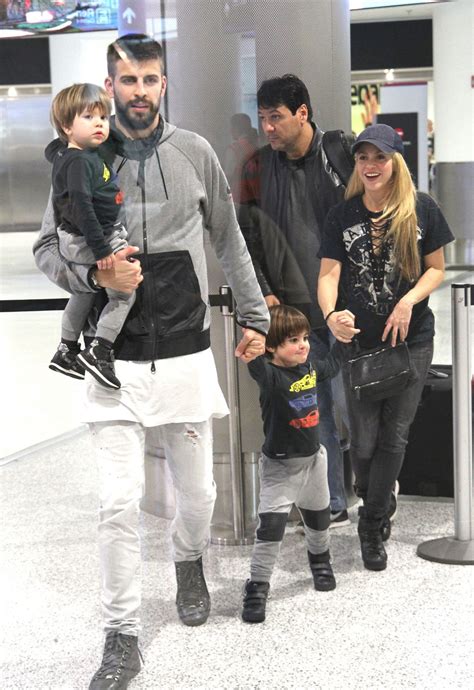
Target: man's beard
(138,121)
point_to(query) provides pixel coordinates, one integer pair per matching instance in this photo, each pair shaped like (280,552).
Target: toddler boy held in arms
(88,208)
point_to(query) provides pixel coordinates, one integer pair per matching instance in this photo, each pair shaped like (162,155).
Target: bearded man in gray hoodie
(174,191)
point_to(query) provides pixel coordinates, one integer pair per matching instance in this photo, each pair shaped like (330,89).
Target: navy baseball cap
(382,136)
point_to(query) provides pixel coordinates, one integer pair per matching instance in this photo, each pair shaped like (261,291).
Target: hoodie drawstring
(161,172)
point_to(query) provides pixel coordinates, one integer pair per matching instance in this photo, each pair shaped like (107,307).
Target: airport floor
(407,627)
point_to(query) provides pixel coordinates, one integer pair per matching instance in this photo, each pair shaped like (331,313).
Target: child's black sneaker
(321,569)
(65,361)
(98,360)
(255,600)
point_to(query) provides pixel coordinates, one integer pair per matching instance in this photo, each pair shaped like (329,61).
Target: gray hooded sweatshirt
(175,192)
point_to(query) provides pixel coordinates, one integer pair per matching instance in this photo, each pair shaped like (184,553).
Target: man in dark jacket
(287,189)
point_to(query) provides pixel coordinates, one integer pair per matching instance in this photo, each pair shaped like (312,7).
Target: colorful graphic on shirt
(106,174)
(307,400)
(303,384)
(312,419)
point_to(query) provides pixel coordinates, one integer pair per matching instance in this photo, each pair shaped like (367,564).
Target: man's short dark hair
(135,47)
(287,90)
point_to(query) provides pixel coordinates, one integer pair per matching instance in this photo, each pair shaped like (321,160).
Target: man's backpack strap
(337,147)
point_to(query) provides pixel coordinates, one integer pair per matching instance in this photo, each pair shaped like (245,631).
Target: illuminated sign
(27,17)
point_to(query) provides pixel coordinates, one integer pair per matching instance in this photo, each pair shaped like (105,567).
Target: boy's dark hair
(135,47)
(287,90)
(285,322)
(74,100)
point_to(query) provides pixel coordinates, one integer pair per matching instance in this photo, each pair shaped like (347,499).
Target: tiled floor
(407,627)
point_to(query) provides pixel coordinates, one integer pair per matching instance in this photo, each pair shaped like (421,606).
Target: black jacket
(86,198)
(266,220)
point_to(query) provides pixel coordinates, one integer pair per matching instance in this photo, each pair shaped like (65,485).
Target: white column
(453,48)
(310,38)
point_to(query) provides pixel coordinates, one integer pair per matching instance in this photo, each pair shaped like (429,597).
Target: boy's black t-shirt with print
(289,403)
(347,238)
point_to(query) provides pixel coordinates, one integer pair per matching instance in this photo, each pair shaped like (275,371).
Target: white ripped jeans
(120,450)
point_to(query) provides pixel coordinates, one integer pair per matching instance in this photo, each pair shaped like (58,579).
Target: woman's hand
(342,325)
(398,322)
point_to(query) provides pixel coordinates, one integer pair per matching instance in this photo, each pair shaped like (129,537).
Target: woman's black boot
(371,544)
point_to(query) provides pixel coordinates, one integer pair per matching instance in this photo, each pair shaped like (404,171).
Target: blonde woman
(382,256)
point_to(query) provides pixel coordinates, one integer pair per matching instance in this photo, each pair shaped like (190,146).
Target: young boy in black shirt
(87,206)
(293,466)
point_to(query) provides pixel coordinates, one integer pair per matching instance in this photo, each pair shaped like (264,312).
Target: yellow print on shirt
(106,173)
(308,381)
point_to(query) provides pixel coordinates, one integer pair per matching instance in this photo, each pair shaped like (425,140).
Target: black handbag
(380,373)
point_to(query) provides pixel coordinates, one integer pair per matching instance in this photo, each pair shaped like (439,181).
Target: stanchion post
(462,300)
(460,549)
(236,465)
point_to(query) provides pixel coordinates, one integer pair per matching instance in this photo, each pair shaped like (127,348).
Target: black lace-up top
(371,283)
(379,248)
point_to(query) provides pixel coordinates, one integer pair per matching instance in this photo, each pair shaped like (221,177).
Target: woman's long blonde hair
(400,209)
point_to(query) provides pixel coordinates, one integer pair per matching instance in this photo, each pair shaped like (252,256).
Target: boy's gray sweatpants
(302,481)
(74,249)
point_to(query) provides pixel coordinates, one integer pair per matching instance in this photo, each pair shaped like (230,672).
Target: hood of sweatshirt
(53,148)
(118,144)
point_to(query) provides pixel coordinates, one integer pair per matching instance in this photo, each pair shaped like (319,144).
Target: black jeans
(379,434)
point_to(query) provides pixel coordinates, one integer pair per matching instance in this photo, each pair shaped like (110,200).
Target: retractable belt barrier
(455,550)
(239,533)
(57,303)
(459,549)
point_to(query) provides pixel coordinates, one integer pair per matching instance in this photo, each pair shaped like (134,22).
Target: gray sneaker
(121,662)
(192,598)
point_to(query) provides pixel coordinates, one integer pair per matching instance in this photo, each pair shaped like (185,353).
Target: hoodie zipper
(141,184)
